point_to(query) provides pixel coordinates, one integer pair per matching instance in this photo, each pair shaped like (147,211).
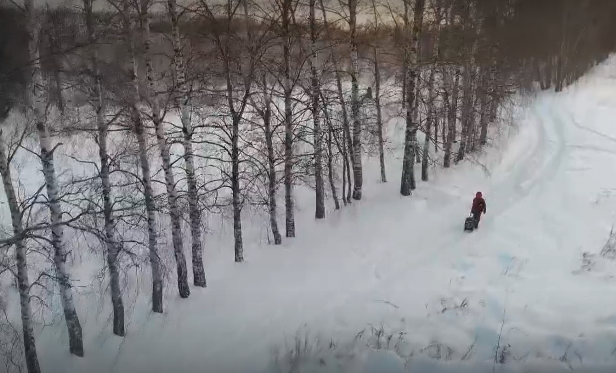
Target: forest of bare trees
(219,107)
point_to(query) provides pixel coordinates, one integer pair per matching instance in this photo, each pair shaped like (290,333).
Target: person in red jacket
(479,207)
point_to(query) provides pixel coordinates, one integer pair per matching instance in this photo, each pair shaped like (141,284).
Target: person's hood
(478,195)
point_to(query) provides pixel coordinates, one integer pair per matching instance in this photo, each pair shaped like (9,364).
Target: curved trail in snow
(389,267)
(386,269)
(539,163)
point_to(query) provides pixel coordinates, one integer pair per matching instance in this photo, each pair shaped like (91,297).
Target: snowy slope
(405,264)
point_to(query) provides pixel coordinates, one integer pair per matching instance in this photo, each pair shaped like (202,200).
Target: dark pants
(477,217)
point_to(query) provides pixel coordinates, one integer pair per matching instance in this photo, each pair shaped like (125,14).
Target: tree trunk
(174,210)
(452,116)
(52,38)
(467,102)
(183,103)
(355,104)
(436,130)
(432,120)
(330,156)
(235,164)
(469,77)
(416,120)
(21,261)
(57,232)
(404,79)
(148,192)
(51,182)
(163,148)
(288,123)
(377,101)
(346,173)
(379,116)
(490,99)
(348,152)
(426,149)
(540,68)
(494,85)
(472,122)
(157,275)
(442,118)
(271,163)
(549,77)
(315,89)
(111,243)
(484,107)
(235,188)
(330,169)
(428,128)
(408,176)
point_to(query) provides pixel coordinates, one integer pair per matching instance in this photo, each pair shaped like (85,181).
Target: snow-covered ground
(405,265)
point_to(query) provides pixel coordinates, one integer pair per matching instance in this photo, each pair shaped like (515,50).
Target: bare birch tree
(266,113)
(183,103)
(239,64)
(377,95)
(467,81)
(163,146)
(347,142)
(314,108)
(111,244)
(331,137)
(355,102)
(144,162)
(46,156)
(451,92)
(408,175)
(432,117)
(287,8)
(21,259)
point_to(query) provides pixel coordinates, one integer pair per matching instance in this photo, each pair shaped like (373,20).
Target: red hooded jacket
(479,204)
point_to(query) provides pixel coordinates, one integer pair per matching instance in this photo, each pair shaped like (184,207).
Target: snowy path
(405,262)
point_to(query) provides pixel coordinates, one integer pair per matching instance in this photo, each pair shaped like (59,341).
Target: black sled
(470,224)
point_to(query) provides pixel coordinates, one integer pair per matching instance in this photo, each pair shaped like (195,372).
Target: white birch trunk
(187,131)
(377,99)
(51,182)
(347,146)
(271,163)
(484,109)
(408,177)
(318,147)
(432,120)
(148,193)
(288,123)
(330,157)
(493,88)
(21,260)
(163,148)
(111,245)
(235,187)
(355,104)
(468,99)
(452,103)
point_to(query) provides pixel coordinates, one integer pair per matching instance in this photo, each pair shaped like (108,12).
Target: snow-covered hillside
(531,281)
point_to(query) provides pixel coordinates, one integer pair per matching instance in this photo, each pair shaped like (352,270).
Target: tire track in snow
(539,166)
(590,130)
